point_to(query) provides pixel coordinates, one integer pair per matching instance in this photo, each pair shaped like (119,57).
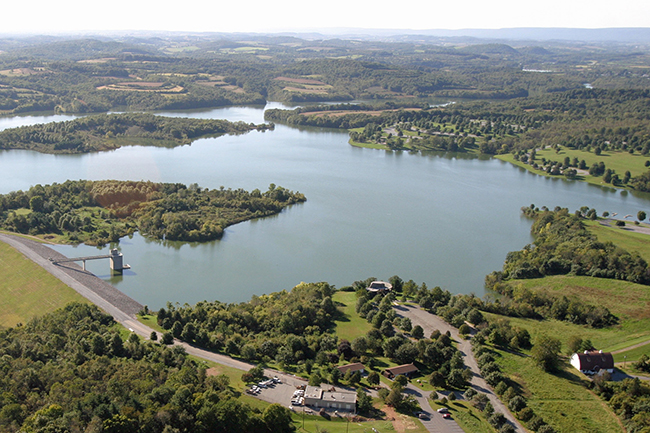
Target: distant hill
(631,34)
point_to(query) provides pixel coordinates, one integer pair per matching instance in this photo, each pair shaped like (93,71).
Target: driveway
(429,323)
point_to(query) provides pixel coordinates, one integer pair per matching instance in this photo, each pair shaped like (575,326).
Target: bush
(470,393)
(383,393)
(497,419)
(535,423)
(517,403)
(507,428)
(451,396)
(501,387)
(526,414)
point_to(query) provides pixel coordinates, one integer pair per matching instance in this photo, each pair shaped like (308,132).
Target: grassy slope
(27,290)
(351,326)
(560,399)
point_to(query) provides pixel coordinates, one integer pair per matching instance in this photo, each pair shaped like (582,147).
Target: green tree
(278,419)
(641,215)
(364,402)
(373,378)
(546,353)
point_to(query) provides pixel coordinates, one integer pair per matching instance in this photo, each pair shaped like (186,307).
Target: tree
(315,379)
(278,419)
(417,332)
(640,215)
(373,378)
(364,402)
(546,353)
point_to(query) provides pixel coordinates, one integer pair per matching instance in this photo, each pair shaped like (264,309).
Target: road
(124,310)
(429,323)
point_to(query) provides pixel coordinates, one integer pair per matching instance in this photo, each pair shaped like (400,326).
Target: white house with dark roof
(592,361)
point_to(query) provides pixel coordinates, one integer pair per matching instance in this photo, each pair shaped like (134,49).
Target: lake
(447,220)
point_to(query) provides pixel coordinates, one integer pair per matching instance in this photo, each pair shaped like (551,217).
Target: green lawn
(628,301)
(620,162)
(561,399)
(27,290)
(632,355)
(468,418)
(350,326)
(626,239)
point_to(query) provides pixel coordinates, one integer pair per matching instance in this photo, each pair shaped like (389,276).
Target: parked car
(423,415)
(443,410)
(446,415)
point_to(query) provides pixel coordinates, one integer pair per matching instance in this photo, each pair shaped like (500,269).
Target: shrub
(501,387)
(525,414)
(497,419)
(517,403)
(470,393)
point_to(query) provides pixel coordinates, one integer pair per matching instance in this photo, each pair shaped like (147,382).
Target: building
(357,366)
(592,362)
(316,396)
(379,287)
(406,370)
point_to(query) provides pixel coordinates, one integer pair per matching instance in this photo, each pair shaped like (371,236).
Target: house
(379,287)
(406,370)
(592,361)
(357,366)
(339,400)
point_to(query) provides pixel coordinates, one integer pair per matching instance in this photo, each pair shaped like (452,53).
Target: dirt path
(634,346)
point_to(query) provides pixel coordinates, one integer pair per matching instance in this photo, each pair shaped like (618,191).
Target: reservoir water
(443,219)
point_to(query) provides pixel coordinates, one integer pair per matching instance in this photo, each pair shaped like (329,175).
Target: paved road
(429,323)
(435,423)
(124,310)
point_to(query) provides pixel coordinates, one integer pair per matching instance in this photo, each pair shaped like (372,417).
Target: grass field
(27,290)
(467,417)
(629,240)
(620,162)
(351,325)
(561,399)
(632,355)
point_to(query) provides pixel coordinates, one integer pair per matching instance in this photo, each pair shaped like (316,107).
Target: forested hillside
(71,371)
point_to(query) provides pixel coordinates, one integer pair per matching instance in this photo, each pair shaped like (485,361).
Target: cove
(443,219)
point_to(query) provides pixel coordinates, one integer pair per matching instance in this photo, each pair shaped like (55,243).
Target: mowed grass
(467,416)
(632,355)
(561,399)
(27,290)
(350,325)
(620,162)
(626,239)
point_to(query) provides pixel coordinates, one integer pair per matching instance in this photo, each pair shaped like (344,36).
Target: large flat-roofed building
(339,400)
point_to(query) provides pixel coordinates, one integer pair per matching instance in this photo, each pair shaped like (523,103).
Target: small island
(111,131)
(99,212)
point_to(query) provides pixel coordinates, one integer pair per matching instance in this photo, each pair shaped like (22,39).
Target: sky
(71,16)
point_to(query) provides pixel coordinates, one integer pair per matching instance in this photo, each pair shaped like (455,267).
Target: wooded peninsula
(111,131)
(99,212)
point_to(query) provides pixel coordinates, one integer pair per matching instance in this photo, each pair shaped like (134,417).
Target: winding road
(124,310)
(430,323)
